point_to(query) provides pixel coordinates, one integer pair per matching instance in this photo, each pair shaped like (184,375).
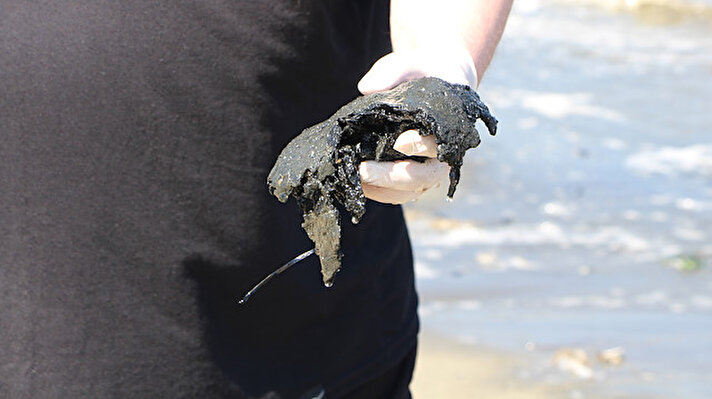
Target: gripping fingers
(406,175)
(403,181)
(388,195)
(412,143)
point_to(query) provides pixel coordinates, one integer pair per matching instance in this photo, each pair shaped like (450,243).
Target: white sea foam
(678,307)
(527,123)
(631,214)
(701,302)
(672,161)
(425,271)
(435,307)
(672,6)
(553,105)
(556,209)
(689,234)
(432,254)
(594,301)
(426,309)
(614,238)
(469,304)
(659,216)
(490,261)
(614,143)
(652,298)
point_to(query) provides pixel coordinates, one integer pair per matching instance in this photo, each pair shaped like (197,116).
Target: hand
(403,181)
(399,182)
(452,64)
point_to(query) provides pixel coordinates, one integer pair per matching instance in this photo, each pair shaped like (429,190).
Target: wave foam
(671,161)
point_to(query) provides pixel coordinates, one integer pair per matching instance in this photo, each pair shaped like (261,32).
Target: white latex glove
(403,181)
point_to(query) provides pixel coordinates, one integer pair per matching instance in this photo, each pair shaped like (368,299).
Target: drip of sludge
(275,273)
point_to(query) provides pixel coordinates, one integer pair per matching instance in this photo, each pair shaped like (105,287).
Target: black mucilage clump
(320,165)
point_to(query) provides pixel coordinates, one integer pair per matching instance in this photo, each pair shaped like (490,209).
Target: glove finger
(387,195)
(406,175)
(412,143)
(388,72)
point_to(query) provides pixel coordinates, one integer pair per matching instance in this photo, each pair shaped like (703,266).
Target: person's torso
(136,138)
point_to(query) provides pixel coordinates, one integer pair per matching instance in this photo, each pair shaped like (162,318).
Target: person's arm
(450,39)
(474,25)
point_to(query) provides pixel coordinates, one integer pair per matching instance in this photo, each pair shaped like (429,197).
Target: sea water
(587,221)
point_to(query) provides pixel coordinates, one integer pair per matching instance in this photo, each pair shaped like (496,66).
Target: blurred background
(576,259)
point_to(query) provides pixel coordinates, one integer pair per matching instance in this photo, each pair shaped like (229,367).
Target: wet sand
(448,369)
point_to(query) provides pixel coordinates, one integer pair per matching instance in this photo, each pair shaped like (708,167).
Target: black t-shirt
(135,141)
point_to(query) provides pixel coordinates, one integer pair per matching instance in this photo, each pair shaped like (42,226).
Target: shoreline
(446,368)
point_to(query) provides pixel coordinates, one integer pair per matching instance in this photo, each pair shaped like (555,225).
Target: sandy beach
(448,369)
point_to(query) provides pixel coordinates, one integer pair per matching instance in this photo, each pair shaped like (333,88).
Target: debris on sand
(612,356)
(574,361)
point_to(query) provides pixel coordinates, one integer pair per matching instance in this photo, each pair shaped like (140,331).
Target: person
(136,140)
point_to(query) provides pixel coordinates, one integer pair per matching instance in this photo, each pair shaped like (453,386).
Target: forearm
(475,25)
